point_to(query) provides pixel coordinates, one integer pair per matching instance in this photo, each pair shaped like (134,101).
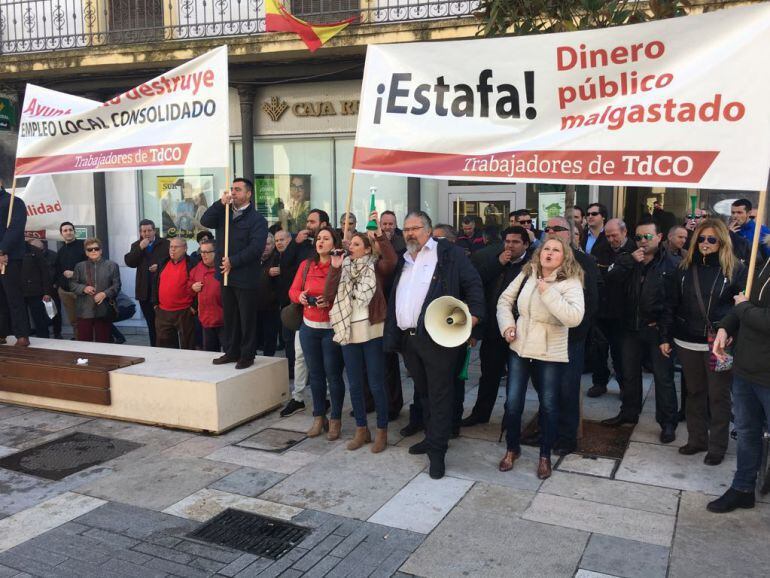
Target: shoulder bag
(291,315)
(714,363)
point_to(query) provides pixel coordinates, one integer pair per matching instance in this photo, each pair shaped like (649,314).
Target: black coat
(248,235)
(749,323)
(611,292)
(496,278)
(646,290)
(141,260)
(267,289)
(601,251)
(12,237)
(35,273)
(685,319)
(288,263)
(454,275)
(592,286)
(69,255)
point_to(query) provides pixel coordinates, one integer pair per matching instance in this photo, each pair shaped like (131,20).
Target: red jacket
(210,312)
(314,285)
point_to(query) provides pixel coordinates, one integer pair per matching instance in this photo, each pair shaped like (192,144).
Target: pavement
(372,515)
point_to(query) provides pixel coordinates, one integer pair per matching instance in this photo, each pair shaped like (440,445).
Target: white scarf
(358,283)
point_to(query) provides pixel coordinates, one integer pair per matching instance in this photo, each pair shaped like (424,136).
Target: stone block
(587,465)
(625,558)
(207,503)
(248,482)
(286,463)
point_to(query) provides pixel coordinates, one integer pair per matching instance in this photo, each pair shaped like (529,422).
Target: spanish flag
(279,19)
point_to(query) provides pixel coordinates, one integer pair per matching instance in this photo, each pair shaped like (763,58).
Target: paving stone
(319,446)
(272,440)
(197,447)
(422,503)
(207,503)
(286,463)
(478,460)
(323,567)
(602,518)
(362,561)
(156,551)
(46,421)
(592,466)
(393,562)
(729,545)
(255,568)
(485,523)
(318,552)
(23,438)
(589,574)
(5,451)
(123,568)
(658,465)
(362,482)
(613,492)
(111,538)
(237,565)
(34,521)
(136,522)
(21,563)
(625,558)
(158,482)
(6,571)
(8,411)
(248,482)
(176,569)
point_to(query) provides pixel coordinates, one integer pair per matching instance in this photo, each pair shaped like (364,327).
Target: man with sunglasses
(595,241)
(645,278)
(523,218)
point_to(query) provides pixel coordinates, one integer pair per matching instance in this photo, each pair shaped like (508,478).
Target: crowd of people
(547,306)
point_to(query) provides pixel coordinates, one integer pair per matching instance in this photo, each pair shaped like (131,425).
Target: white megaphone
(448,321)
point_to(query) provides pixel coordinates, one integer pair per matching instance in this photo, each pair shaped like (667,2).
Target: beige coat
(544,320)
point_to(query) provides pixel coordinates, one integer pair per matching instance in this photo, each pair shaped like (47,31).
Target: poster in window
(283,199)
(550,205)
(183,200)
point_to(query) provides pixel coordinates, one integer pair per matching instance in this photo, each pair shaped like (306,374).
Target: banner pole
(10,212)
(347,205)
(755,242)
(227,222)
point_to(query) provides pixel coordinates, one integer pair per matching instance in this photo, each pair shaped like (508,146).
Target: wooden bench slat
(56,390)
(90,377)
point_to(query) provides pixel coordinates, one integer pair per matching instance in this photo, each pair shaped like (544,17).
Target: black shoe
(681,417)
(292,407)
(731,500)
(688,450)
(419,448)
(244,363)
(472,420)
(596,391)
(713,459)
(119,340)
(222,359)
(564,448)
(619,420)
(437,467)
(455,433)
(411,428)
(667,433)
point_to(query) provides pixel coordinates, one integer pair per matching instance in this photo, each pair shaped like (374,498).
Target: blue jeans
(370,357)
(324,365)
(549,375)
(751,405)
(569,403)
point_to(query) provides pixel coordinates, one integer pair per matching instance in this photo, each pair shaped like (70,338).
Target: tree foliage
(523,17)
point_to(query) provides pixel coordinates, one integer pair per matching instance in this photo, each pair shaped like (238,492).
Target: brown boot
(362,436)
(22,341)
(335,427)
(506,464)
(544,468)
(380,440)
(319,425)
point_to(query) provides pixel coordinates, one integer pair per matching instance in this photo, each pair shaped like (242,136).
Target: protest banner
(44,207)
(681,102)
(178,119)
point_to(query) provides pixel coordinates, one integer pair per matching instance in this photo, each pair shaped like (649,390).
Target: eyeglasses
(593,213)
(648,236)
(93,249)
(556,229)
(205,252)
(710,240)
(525,221)
(413,229)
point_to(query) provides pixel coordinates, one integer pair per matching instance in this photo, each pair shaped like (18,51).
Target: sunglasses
(710,240)
(648,236)
(525,221)
(556,229)
(93,249)
(696,216)
(752,218)
(593,213)
(205,252)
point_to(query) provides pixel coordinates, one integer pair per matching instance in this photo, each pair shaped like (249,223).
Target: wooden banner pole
(10,213)
(227,222)
(347,205)
(755,242)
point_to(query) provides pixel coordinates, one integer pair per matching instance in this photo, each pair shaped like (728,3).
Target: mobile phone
(311,300)
(338,252)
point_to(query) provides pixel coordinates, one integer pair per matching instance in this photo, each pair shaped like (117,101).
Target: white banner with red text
(683,102)
(178,119)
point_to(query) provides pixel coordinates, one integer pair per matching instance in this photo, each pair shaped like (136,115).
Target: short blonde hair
(92,241)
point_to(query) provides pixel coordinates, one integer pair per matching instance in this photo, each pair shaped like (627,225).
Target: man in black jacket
(594,241)
(428,270)
(36,287)
(69,255)
(646,278)
(13,313)
(496,271)
(145,255)
(248,234)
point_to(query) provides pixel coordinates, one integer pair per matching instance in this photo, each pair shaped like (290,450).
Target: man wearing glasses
(595,241)
(204,283)
(645,278)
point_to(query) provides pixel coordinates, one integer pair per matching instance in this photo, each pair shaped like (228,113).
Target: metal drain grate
(57,459)
(252,533)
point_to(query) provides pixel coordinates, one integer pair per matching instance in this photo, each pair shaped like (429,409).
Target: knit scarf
(357,285)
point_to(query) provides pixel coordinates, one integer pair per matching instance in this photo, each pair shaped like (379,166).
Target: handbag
(111,311)
(715,364)
(291,315)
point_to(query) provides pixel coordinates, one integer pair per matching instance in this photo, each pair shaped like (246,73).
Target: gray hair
(569,224)
(449,231)
(619,222)
(423,216)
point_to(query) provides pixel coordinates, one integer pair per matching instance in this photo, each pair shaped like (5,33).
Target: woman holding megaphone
(354,286)
(534,314)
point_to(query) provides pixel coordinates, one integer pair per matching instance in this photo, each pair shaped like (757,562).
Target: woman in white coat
(534,314)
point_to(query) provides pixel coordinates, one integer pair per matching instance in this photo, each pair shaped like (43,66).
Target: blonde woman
(534,314)
(709,278)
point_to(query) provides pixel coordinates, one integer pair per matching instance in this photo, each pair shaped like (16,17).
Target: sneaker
(292,407)
(731,500)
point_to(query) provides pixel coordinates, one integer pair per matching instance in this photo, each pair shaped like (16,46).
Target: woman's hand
(321,303)
(665,349)
(542,285)
(336,260)
(99,297)
(374,216)
(303,298)
(721,341)
(510,334)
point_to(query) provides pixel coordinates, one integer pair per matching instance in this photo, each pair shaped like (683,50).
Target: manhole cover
(57,459)
(598,439)
(252,533)
(273,440)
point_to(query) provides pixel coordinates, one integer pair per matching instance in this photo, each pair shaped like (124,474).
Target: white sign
(680,102)
(44,208)
(178,119)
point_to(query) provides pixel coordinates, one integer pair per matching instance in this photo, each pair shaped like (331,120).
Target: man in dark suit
(428,270)
(13,311)
(145,255)
(248,235)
